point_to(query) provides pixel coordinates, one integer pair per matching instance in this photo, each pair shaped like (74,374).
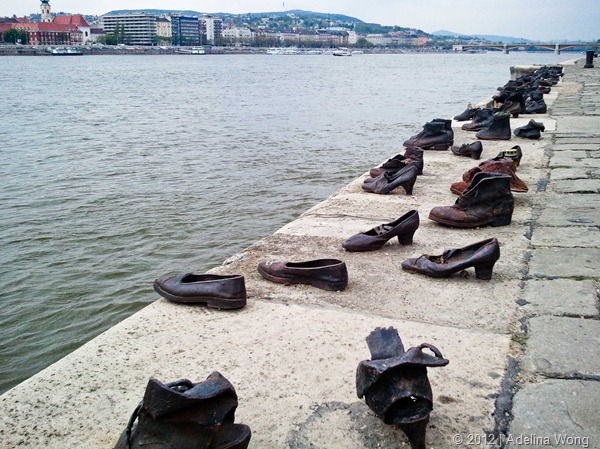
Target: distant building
(78,21)
(237,35)
(138,28)
(211,29)
(46,11)
(164,30)
(43,33)
(185,31)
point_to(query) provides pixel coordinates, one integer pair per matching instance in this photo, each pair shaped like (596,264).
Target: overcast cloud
(530,19)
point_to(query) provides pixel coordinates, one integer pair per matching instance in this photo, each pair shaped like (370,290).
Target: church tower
(46,11)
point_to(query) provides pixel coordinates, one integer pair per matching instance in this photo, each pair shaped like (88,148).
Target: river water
(118,169)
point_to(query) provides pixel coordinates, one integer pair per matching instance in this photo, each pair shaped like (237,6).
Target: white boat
(64,51)
(191,51)
(275,51)
(342,52)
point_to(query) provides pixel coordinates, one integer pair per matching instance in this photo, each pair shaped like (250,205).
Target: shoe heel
(484,271)
(406,239)
(408,186)
(476,155)
(501,220)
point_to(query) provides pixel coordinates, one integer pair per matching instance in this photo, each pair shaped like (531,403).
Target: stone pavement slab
(556,414)
(577,185)
(563,347)
(565,262)
(569,173)
(293,368)
(572,237)
(560,297)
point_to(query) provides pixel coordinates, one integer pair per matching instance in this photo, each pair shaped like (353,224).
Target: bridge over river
(507,47)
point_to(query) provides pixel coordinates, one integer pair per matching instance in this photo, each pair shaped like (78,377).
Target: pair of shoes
(497,129)
(487,200)
(436,135)
(502,165)
(412,154)
(473,150)
(326,274)
(533,130)
(184,414)
(404,228)
(213,290)
(482,256)
(395,385)
(387,181)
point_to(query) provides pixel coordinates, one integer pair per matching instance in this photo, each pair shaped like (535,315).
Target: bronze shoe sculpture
(498,129)
(388,181)
(394,383)
(504,165)
(481,120)
(487,200)
(436,135)
(183,414)
(214,290)
(467,114)
(404,228)
(473,150)
(481,256)
(326,274)
(515,154)
(533,130)
(412,154)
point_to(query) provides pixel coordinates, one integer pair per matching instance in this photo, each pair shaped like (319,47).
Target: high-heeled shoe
(388,181)
(404,228)
(481,255)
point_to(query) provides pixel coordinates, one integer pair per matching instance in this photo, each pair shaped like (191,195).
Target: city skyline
(535,19)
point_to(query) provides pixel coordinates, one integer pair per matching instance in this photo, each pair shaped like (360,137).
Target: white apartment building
(139,28)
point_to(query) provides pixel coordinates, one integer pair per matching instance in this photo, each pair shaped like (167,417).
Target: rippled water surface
(115,170)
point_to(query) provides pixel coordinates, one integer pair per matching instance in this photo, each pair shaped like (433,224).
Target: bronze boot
(486,201)
(182,414)
(503,165)
(394,383)
(499,128)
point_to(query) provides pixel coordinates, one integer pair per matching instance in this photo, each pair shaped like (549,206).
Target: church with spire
(46,11)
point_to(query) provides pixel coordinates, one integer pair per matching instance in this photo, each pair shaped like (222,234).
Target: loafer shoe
(214,290)
(326,274)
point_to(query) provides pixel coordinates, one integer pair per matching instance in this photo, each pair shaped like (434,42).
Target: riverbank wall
(292,352)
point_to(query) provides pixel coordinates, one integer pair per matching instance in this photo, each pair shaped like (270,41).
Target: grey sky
(531,19)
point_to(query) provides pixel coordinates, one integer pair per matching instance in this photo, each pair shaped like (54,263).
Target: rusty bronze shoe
(390,180)
(404,228)
(394,383)
(326,274)
(436,135)
(412,154)
(503,165)
(481,256)
(473,150)
(467,114)
(533,130)
(214,290)
(486,201)
(184,414)
(498,129)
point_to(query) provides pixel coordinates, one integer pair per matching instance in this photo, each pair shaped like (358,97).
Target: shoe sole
(210,301)
(496,221)
(337,286)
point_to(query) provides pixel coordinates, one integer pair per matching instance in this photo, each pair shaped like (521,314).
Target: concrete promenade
(523,347)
